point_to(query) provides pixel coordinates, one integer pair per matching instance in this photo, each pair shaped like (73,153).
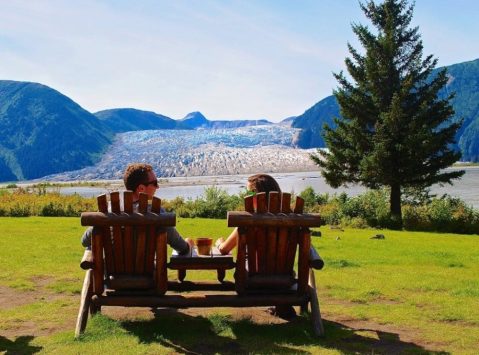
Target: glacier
(201,152)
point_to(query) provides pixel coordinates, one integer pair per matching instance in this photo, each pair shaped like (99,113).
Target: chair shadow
(182,333)
(21,345)
(200,335)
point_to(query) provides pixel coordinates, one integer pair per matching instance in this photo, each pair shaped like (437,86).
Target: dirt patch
(11,298)
(42,281)
(30,328)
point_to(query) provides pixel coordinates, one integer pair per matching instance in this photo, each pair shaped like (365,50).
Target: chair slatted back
(270,234)
(129,247)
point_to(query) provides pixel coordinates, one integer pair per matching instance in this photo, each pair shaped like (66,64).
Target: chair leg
(85,302)
(94,309)
(315,310)
(304,307)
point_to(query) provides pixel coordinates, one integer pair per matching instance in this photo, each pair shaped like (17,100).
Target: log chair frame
(278,230)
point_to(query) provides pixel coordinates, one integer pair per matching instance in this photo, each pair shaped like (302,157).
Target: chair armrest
(315,260)
(87,260)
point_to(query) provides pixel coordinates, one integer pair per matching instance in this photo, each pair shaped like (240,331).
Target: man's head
(140,177)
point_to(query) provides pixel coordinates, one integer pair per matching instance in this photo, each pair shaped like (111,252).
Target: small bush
(449,214)
(372,206)
(18,210)
(416,218)
(312,199)
(358,222)
(330,213)
(52,210)
(215,203)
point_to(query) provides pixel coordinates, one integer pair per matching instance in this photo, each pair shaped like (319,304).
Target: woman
(256,184)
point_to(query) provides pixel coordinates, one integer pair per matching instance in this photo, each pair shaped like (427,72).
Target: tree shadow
(202,335)
(21,345)
(350,340)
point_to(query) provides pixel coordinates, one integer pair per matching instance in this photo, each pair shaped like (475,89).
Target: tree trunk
(395,206)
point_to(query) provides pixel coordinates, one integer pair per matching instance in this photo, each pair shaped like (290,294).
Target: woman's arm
(225,246)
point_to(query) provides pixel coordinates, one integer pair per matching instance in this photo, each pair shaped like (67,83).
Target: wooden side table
(215,261)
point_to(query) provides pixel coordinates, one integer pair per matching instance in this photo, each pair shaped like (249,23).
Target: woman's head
(263,183)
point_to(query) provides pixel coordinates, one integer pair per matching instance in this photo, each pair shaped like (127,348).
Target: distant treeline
(421,212)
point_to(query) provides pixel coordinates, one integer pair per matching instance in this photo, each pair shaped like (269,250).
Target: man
(140,178)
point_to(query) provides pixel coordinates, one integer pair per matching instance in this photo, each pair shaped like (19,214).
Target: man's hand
(190,242)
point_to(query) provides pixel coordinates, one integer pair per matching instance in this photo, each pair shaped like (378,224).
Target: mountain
(288,121)
(129,119)
(44,132)
(469,142)
(197,120)
(464,81)
(312,120)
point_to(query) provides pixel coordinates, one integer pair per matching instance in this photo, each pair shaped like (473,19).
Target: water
(466,188)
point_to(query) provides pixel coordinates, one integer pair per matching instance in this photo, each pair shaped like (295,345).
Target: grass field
(409,293)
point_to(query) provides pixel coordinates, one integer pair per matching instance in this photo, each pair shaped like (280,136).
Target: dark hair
(135,175)
(263,183)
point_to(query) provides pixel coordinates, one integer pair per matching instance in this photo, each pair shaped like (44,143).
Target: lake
(465,188)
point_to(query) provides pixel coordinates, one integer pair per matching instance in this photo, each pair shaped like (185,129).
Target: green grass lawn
(409,293)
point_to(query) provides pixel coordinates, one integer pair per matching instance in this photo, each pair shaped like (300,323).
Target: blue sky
(228,59)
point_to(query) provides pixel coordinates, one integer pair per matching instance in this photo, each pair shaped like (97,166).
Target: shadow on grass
(222,334)
(21,345)
(346,339)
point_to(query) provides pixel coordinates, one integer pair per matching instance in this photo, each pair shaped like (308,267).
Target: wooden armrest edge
(315,260)
(87,260)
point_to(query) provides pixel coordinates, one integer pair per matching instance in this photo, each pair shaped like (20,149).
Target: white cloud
(227,59)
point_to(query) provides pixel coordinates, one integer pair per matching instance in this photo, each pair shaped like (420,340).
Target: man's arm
(176,241)
(86,238)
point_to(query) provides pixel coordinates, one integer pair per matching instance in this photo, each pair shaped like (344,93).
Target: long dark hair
(263,183)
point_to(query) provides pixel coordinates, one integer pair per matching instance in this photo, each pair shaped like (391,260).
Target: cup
(204,245)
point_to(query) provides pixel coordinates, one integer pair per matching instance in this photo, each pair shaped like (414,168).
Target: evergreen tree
(395,130)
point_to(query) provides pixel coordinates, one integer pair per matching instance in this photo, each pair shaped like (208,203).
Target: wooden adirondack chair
(269,238)
(128,254)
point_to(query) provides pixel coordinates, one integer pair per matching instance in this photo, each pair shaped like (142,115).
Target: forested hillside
(129,119)
(44,132)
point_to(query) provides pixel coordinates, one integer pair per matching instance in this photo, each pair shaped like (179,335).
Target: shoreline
(162,181)
(175,181)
